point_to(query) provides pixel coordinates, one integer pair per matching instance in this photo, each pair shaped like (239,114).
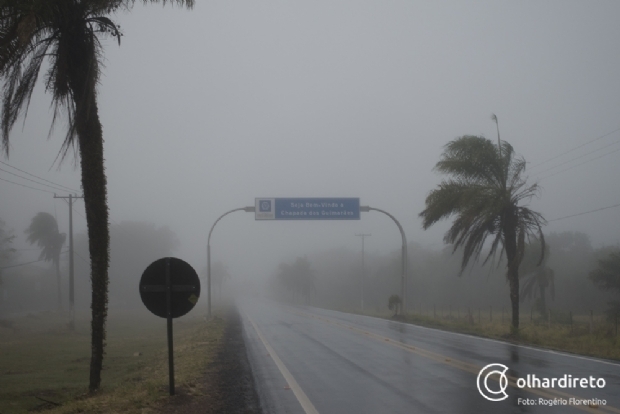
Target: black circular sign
(184,287)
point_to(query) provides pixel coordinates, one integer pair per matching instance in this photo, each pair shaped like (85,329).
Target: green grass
(42,363)
(601,342)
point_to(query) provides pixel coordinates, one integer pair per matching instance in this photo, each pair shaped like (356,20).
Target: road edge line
(301,396)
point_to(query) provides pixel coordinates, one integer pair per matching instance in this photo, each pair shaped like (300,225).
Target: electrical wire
(47,181)
(36,182)
(585,212)
(577,165)
(78,255)
(580,156)
(576,148)
(27,186)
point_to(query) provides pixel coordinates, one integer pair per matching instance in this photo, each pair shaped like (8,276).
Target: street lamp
(249,209)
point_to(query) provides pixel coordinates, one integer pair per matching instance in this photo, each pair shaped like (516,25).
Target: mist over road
(319,361)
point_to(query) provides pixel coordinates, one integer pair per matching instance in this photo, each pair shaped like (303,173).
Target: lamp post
(403,281)
(249,209)
(363,236)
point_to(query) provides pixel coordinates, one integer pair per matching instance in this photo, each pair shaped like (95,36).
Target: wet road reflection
(354,364)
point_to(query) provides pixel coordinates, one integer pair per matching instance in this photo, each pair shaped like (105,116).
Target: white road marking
(303,399)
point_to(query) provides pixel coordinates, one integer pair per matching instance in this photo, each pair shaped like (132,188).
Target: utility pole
(71,197)
(362,278)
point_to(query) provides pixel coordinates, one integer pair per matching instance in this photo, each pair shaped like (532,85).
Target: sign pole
(169,312)
(168,298)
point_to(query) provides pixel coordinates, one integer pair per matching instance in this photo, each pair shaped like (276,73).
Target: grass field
(45,367)
(566,333)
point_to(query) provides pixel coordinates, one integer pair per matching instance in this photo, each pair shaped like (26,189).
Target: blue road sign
(307,209)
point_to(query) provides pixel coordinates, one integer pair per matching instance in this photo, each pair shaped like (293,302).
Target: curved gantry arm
(249,209)
(403,282)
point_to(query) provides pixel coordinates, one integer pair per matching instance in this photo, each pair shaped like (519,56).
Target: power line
(576,148)
(580,156)
(36,182)
(27,186)
(577,165)
(36,176)
(78,255)
(585,212)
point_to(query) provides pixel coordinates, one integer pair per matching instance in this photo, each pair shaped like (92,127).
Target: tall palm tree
(484,193)
(43,231)
(66,34)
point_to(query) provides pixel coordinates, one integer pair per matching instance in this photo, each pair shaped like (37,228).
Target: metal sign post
(169,327)
(170,288)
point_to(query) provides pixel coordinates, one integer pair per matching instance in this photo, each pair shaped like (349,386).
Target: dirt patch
(227,387)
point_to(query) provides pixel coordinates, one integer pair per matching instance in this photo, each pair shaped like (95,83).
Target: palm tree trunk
(90,136)
(510,243)
(95,201)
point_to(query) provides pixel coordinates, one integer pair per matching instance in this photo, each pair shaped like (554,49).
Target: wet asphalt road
(309,360)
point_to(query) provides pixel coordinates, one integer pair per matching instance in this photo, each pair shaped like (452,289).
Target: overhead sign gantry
(307,209)
(314,208)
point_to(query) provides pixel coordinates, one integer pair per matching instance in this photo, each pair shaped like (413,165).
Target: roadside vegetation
(585,334)
(45,366)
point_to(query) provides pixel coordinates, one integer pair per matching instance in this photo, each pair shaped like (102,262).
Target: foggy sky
(205,110)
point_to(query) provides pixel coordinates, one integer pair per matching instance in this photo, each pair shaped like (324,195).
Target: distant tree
(297,278)
(537,277)
(43,231)
(219,274)
(394,304)
(485,193)
(7,251)
(607,277)
(133,246)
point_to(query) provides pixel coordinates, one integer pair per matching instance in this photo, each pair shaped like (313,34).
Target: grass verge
(45,367)
(601,341)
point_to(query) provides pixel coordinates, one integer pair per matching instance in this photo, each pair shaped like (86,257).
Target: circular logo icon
(483,382)
(265,205)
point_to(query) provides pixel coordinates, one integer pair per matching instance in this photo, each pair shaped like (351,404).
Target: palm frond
(484,194)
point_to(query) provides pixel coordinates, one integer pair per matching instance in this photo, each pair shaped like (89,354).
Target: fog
(205,110)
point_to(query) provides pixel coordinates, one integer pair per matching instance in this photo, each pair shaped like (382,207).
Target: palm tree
(538,277)
(484,192)
(66,34)
(43,231)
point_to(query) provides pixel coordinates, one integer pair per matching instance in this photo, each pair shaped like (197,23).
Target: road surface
(309,360)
